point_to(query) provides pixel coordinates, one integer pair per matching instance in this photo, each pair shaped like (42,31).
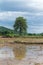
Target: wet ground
(21,54)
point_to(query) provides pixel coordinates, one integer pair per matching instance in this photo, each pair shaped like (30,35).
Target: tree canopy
(20,25)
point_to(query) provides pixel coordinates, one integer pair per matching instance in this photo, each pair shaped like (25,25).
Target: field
(22,40)
(11,42)
(19,50)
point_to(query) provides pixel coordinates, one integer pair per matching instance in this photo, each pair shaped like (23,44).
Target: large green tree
(20,25)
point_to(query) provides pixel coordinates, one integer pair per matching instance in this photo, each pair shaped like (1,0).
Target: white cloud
(38,4)
(11,15)
(35,4)
(36,29)
(8,15)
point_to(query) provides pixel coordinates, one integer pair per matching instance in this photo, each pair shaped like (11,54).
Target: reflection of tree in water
(19,51)
(37,64)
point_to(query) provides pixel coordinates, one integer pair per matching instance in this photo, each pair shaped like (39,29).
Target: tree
(20,25)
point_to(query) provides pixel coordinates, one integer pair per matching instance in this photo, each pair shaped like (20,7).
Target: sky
(32,10)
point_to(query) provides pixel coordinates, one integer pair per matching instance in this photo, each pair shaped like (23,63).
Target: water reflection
(6,52)
(19,51)
(23,54)
(29,53)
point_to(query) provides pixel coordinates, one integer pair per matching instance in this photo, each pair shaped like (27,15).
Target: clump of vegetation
(5,32)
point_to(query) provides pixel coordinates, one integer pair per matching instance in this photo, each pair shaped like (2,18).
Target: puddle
(6,52)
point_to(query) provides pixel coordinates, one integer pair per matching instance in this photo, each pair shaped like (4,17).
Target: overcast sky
(32,10)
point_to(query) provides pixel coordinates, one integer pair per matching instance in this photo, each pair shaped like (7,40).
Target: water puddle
(23,54)
(6,52)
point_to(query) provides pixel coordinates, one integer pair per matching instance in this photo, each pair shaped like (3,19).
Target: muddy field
(22,54)
(29,40)
(12,53)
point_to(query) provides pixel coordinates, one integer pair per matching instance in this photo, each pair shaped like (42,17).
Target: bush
(16,35)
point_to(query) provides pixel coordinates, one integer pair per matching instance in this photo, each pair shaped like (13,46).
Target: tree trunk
(20,32)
